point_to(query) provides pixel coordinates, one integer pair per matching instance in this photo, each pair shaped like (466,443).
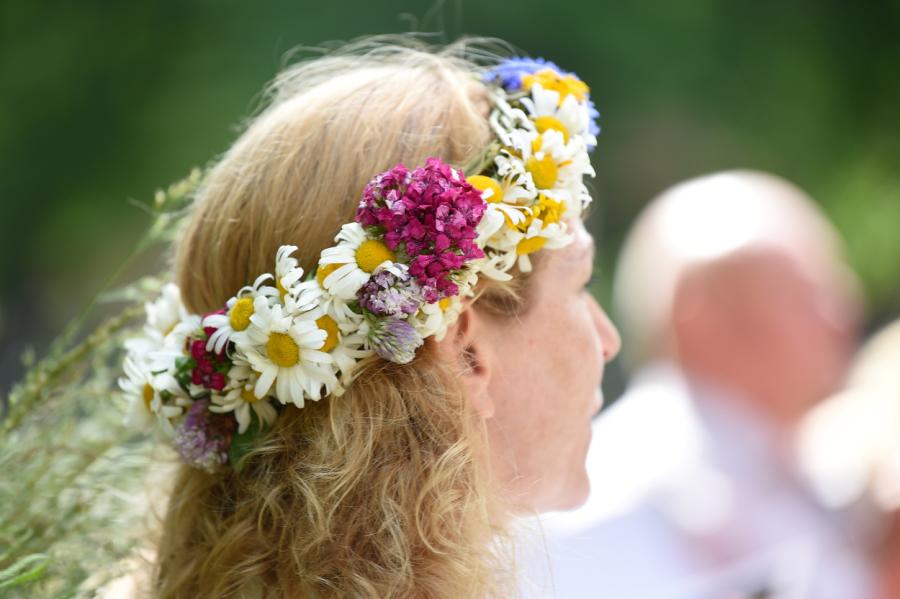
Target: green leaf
(184,363)
(183,367)
(28,569)
(243,442)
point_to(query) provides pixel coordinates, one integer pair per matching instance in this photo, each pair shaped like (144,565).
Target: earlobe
(467,345)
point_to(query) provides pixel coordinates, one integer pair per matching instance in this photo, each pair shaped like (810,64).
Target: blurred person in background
(739,314)
(849,447)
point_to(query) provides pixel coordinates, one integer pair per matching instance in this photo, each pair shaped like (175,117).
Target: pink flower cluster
(430,214)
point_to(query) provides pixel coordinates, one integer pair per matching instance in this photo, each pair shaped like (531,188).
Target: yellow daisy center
(248,395)
(323,271)
(148,396)
(282,350)
(327,324)
(566,85)
(240,314)
(544,171)
(444,303)
(546,123)
(482,183)
(530,245)
(522,224)
(549,210)
(371,253)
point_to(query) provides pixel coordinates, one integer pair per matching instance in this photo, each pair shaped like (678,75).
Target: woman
(434,378)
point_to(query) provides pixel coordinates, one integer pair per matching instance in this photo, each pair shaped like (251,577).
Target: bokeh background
(102,103)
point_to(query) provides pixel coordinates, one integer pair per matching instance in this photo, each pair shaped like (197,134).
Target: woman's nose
(609,334)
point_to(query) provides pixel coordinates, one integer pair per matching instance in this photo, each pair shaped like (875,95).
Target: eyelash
(590,282)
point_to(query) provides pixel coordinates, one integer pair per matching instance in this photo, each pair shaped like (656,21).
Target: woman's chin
(578,495)
(571,496)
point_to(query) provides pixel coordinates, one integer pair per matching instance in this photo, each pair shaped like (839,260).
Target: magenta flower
(431,215)
(210,368)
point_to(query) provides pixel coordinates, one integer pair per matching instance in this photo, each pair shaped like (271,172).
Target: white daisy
(508,237)
(582,198)
(166,311)
(197,391)
(356,257)
(239,310)
(158,354)
(507,196)
(570,117)
(516,182)
(240,398)
(511,244)
(435,319)
(346,341)
(554,164)
(161,331)
(496,264)
(288,275)
(507,243)
(151,396)
(283,345)
(570,187)
(538,236)
(489,225)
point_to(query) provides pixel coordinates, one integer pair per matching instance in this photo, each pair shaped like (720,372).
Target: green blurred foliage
(106,101)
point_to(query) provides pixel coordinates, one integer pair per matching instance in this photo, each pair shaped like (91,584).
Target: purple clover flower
(394,340)
(204,437)
(431,214)
(387,294)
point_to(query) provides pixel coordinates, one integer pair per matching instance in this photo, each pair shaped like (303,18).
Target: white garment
(689,498)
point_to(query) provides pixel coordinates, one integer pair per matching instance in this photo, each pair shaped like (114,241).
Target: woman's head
(399,486)
(534,377)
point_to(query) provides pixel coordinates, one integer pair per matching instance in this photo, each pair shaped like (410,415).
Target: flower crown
(397,275)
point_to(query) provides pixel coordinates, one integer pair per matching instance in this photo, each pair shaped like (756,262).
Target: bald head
(726,269)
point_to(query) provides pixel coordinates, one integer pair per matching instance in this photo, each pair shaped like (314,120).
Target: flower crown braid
(397,274)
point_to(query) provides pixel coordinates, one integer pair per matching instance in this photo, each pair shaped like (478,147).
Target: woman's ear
(467,345)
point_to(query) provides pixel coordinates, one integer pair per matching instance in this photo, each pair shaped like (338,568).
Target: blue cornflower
(510,72)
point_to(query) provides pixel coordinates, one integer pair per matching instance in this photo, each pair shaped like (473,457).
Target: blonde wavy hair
(385,491)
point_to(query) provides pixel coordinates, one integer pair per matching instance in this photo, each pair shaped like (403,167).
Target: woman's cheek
(584,331)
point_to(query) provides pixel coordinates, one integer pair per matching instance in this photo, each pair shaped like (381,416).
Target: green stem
(64,483)
(31,389)
(482,161)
